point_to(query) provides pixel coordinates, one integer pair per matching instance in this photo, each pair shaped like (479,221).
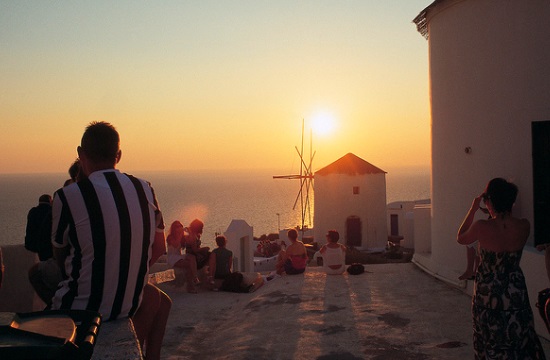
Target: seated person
(175,258)
(333,254)
(193,243)
(46,275)
(293,260)
(220,260)
(96,224)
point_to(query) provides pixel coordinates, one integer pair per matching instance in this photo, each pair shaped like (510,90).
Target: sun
(323,123)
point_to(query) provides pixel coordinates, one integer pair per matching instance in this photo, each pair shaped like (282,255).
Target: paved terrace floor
(392,311)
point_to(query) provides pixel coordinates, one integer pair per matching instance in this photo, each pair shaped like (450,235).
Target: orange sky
(203,85)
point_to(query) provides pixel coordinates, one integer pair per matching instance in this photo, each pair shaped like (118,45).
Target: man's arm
(159,242)
(159,246)
(59,255)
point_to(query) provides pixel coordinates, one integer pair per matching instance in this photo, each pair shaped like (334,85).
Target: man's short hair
(221,240)
(45,199)
(101,142)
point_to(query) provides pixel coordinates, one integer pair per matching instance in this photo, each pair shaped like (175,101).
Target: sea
(216,197)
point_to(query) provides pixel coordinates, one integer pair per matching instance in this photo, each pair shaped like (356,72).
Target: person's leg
(44,292)
(281,258)
(192,266)
(150,320)
(211,268)
(189,265)
(471,264)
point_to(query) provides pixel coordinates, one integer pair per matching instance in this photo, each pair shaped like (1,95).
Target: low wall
(116,340)
(16,293)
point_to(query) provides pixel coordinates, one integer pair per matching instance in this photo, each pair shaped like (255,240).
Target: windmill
(306,180)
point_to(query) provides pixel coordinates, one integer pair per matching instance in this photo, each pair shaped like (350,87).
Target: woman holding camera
(502,315)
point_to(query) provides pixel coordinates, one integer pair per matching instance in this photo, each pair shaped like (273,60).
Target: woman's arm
(468,231)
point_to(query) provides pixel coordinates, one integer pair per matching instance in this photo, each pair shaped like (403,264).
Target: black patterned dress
(503,319)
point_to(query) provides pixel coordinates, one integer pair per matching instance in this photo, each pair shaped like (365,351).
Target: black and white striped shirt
(108,222)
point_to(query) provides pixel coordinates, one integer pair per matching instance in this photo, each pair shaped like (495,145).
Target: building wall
(240,240)
(489,80)
(16,292)
(422,229)
(335,202)
(406,222)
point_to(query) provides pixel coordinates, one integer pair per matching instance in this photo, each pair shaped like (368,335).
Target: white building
(350,197)
(401,221)
(490,114)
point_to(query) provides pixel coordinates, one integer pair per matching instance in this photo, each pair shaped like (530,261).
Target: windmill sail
(306,181)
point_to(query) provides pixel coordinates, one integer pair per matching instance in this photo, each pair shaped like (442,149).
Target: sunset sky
(214,84)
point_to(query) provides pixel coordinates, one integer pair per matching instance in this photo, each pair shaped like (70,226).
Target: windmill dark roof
(350,164)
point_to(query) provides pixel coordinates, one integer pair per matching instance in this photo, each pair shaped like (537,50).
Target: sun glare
(323,123)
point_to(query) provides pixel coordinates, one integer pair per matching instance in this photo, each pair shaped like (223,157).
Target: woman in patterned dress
(502,315)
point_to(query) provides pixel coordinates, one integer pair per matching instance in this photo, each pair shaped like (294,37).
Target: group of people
(502,316)
(185,251)
(107,229)
(293,259)
(98,236)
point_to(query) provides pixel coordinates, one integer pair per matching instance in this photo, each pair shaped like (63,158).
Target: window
(355,190)
(540,135)
(394,224)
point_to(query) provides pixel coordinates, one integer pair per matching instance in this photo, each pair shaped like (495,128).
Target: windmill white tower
(306,181)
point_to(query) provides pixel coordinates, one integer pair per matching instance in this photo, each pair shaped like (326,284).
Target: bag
(356,269)
(234,282)
(543,304)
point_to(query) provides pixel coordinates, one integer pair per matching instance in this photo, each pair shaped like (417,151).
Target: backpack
(356,269)
(234,282)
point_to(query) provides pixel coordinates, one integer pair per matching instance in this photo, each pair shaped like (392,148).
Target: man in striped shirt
(107,230)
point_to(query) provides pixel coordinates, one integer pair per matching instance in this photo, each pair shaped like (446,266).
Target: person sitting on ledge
(220,261)
(107,231)
(293,260)
(333,254)
(193,243)
(175,259)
